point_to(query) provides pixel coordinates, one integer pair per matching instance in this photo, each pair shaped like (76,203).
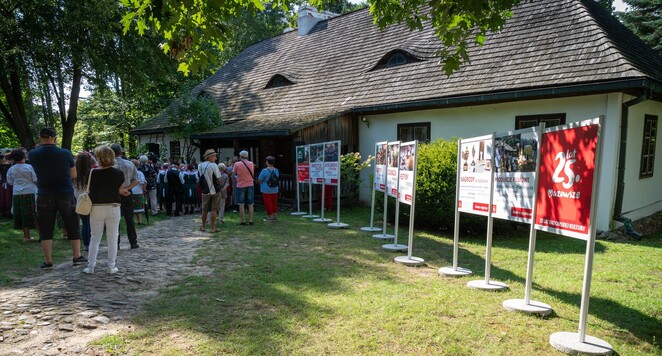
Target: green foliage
(435,184)
(350,169)
(456,23)
(194,114)
(644,18)
(195,31)
(7,136)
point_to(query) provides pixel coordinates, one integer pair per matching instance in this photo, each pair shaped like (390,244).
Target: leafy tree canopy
(194,29)
(644,18)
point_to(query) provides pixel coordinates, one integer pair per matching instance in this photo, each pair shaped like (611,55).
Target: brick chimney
(309,16)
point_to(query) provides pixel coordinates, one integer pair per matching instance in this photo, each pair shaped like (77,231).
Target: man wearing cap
(55,169)
(211,202)
(130,180)
(244,170)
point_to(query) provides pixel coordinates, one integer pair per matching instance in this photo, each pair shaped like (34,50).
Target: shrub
(350,169)
(435,184)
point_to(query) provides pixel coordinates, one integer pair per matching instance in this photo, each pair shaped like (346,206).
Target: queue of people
(44,185)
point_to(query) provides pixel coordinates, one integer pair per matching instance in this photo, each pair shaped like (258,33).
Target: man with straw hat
(212,200)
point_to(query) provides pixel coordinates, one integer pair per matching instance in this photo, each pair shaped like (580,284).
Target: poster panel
(407,175)
(565,185)
(331,162)
(303,169)
(514,163)
(379,183)
(316,166)
(475,175)
(392,159)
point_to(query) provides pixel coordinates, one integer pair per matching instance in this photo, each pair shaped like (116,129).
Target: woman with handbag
(84,166)
(105,186)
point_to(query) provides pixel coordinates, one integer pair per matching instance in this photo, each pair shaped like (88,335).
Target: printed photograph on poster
(380,167)
(407,156)
(393,156)
(407,178)
(316,165)
(331,163)
(475,175)
(303,174)
(565,185)
(515,155)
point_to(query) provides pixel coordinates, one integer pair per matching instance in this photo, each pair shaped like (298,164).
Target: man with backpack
(209,185)
(269,179)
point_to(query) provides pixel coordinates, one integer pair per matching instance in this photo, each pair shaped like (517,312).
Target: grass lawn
(297,287)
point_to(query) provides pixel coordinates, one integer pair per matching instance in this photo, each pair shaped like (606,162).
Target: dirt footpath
(62,310)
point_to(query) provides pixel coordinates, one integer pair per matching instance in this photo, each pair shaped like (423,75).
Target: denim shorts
(245,195)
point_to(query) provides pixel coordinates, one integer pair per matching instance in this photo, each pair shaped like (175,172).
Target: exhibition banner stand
(407,165)
(315,172)
(303,175)
(395,246)
(332,177)
(391,187)
(478,178)
(567,194)
(378,183)
(471,195)
(516,165)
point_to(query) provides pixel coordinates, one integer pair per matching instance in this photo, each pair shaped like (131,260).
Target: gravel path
(61,311)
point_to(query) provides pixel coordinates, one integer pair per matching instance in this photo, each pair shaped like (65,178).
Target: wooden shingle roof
(546,44)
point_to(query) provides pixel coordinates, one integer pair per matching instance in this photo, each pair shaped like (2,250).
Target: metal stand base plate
(384,236)
(532,308)
(410,261)
(298,213)
(395,247)
(450,272)
(310,216)
(491,285)
(371,229)
(322,220)
(337,226)
(569,343)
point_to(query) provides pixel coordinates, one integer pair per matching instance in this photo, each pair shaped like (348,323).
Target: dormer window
(395,58)
(278,81)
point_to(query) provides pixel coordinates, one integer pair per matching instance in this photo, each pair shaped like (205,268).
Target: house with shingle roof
(557,61)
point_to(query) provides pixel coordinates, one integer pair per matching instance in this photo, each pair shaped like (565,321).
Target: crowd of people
(39,190)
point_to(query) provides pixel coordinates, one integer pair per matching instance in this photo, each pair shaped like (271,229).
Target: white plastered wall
(485,119)
(642,196)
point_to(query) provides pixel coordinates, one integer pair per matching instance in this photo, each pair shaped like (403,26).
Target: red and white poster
(407,175)
(303,169)
(392,160)
(380,167)
(331,162)
(475,175)
(514,165)
(316,165)
(566,179)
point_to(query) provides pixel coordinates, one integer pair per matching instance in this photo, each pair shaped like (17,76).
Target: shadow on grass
(641,325)
(266,286)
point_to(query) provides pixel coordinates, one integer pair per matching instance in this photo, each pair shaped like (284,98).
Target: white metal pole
(456,229)
(590,246)
(533,231)
(488,252)
(372,206)
(413,206)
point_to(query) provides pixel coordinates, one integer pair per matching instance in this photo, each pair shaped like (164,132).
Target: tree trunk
(69,124)
(15,114)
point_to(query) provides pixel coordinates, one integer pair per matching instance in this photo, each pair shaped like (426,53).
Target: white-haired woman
(224,181)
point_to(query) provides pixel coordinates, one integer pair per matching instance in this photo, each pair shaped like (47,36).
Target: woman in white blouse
(24,180)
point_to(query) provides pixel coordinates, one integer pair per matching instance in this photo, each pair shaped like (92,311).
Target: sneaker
(113,270)
(267,220)
(134,246)
(46,265)
(79,260)
(88,270)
